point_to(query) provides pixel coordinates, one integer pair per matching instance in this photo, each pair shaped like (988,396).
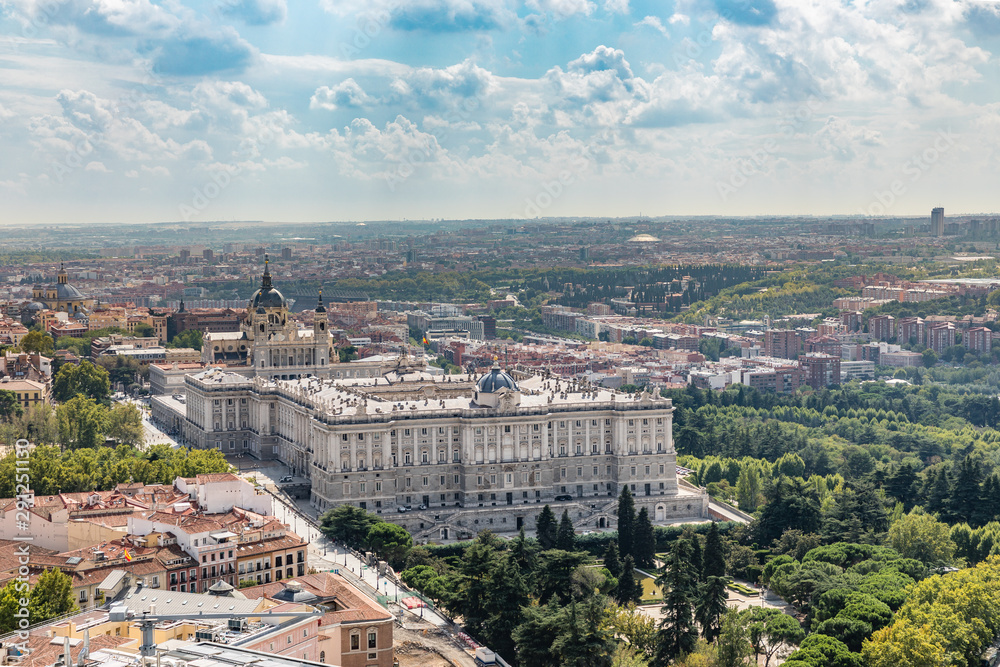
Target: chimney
(85,651)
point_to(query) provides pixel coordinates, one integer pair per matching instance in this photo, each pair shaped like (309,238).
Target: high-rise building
(882,327)
(937,221)
(781,343)
(941,336)
(979,340)
(820,370)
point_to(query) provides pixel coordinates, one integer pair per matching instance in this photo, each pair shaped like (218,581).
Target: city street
(324,554)
(152,435)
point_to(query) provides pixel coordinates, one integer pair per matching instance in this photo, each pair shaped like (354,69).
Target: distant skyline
(135,110)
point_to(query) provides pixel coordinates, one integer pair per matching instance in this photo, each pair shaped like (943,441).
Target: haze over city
(347,110)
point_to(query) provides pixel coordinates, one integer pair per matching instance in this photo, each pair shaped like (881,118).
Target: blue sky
(138,110)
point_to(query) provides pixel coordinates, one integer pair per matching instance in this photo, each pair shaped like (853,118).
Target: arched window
(322,656)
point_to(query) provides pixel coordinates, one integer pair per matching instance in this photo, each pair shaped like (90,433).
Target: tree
(472,586)
(587,641)
(734,641)
(679,583)
(38,342)
(714,560)
(612,562)
(534,636)
(84,378)
(565,536)
(10,407)
(748,488)
(52,595)
(554,577)
(903,643)
(644,541)
(81,421)
(930,358)
(121,370)
(123,423)
(143,330)
(823,651)
(771,631)
(955,614)
(628,591)
(546,529)
(348,524)
(626,522)
(191,338)
(711,605)
(507,594)
(697,557)
(638,629)
(13,598)
(920,536)
(390,542)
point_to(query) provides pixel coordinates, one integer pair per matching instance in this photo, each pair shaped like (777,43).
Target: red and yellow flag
(128,556)
(425,341)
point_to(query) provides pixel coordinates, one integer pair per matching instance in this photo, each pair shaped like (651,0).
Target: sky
(146,111)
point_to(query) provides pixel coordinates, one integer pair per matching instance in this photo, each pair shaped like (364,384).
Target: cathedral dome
(267,296)
(495,380)
(66,292)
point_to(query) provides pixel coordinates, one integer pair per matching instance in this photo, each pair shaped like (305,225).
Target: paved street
(152,435)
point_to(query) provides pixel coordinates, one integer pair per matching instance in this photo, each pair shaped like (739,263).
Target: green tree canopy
(84,379)
(37,341)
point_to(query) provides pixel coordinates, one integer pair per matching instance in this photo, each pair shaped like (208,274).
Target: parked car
(422,507)
(402,508)
(565,496)
(285,479)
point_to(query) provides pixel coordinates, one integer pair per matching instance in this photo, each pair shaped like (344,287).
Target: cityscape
(499,333)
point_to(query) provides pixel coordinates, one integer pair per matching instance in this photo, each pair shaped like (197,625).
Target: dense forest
(876,511)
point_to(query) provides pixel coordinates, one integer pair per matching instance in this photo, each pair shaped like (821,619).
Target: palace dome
(495,380)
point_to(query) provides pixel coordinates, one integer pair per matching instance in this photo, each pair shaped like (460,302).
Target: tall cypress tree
(546,529)
(965,492)
(612,562)
(679,582)
(628,589)
(506,594)
(900,485)
(644,541)
(989,501)
(711,605)
(697,558)
(626,523)
(714,560)
(565,538)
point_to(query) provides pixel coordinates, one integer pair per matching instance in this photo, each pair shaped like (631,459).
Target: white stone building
(455,453)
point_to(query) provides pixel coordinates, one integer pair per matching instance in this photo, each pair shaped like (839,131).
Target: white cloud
(227,94)
(682,19)
(654,23)
(98,167)
(562,8)
(346,94)
(616,6)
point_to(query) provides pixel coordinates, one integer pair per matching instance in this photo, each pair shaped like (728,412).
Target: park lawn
(650,591)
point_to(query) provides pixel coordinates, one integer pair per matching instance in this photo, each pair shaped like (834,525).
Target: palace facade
(443,455)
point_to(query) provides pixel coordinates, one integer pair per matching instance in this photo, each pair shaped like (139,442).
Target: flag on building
(128,556)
